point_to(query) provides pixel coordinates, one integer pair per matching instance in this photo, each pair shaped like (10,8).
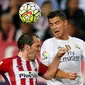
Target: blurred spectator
(4,4)
(13,11)
(42,25)
(55,5)
(74,31)
(72,11)
(7,29)
(61,3)
(24,28)
(20,2)
(82,5)
(46,7)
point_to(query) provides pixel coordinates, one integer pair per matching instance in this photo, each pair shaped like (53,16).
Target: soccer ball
(29,12)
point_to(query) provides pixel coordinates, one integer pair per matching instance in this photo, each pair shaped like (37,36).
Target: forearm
(61,74)
(65,75)
(52,68)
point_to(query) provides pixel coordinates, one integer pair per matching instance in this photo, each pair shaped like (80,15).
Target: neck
(23,55)
(65,36)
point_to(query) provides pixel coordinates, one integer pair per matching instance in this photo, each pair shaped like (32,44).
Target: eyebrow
(54,22)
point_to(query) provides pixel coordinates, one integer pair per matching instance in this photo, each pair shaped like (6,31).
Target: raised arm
(52,68)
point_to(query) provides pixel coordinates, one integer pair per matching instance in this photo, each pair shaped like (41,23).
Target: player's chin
(33,59)
(57,35)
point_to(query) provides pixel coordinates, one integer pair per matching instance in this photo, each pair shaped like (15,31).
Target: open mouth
(56,31)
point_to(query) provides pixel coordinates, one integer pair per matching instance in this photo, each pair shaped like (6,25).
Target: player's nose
(38,49)
(54,27)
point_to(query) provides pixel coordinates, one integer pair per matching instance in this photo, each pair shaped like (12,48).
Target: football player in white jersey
(71,61)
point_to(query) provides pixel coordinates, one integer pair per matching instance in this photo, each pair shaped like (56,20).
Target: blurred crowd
(11,26)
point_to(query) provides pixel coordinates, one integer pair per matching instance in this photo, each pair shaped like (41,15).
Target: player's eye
(57,23)
(38,46)
(50,24)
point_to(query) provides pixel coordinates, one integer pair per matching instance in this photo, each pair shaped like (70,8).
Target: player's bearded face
(57,26)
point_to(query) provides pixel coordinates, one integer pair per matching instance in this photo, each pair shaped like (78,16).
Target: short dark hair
(59,13)
(25,39)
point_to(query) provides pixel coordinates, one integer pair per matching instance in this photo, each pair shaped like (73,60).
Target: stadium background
(11,27)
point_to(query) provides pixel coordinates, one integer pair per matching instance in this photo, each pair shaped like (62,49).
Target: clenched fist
(61,52)
(71,75)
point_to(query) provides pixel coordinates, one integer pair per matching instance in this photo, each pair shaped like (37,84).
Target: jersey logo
(1,62)
(28,74)
(68,47)
(77,46)
(45,54)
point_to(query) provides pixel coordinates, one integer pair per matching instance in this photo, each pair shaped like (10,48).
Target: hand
(71,75)
(61,52)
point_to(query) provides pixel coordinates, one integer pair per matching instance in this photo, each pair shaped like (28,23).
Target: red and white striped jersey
(17,71)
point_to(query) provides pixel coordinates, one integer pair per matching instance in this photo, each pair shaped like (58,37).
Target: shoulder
(47,44)
(77,40)
(49,41)
(8,60)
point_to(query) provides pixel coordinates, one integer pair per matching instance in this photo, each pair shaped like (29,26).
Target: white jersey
(70,62)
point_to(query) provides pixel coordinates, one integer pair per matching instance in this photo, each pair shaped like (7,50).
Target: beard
(33,56)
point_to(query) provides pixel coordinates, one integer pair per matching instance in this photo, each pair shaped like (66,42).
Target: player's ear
(66,22)
(26,47)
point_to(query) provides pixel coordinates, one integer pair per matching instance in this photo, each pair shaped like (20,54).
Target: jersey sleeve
(4,65)
(83,51)
(42,69)
(44,54)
